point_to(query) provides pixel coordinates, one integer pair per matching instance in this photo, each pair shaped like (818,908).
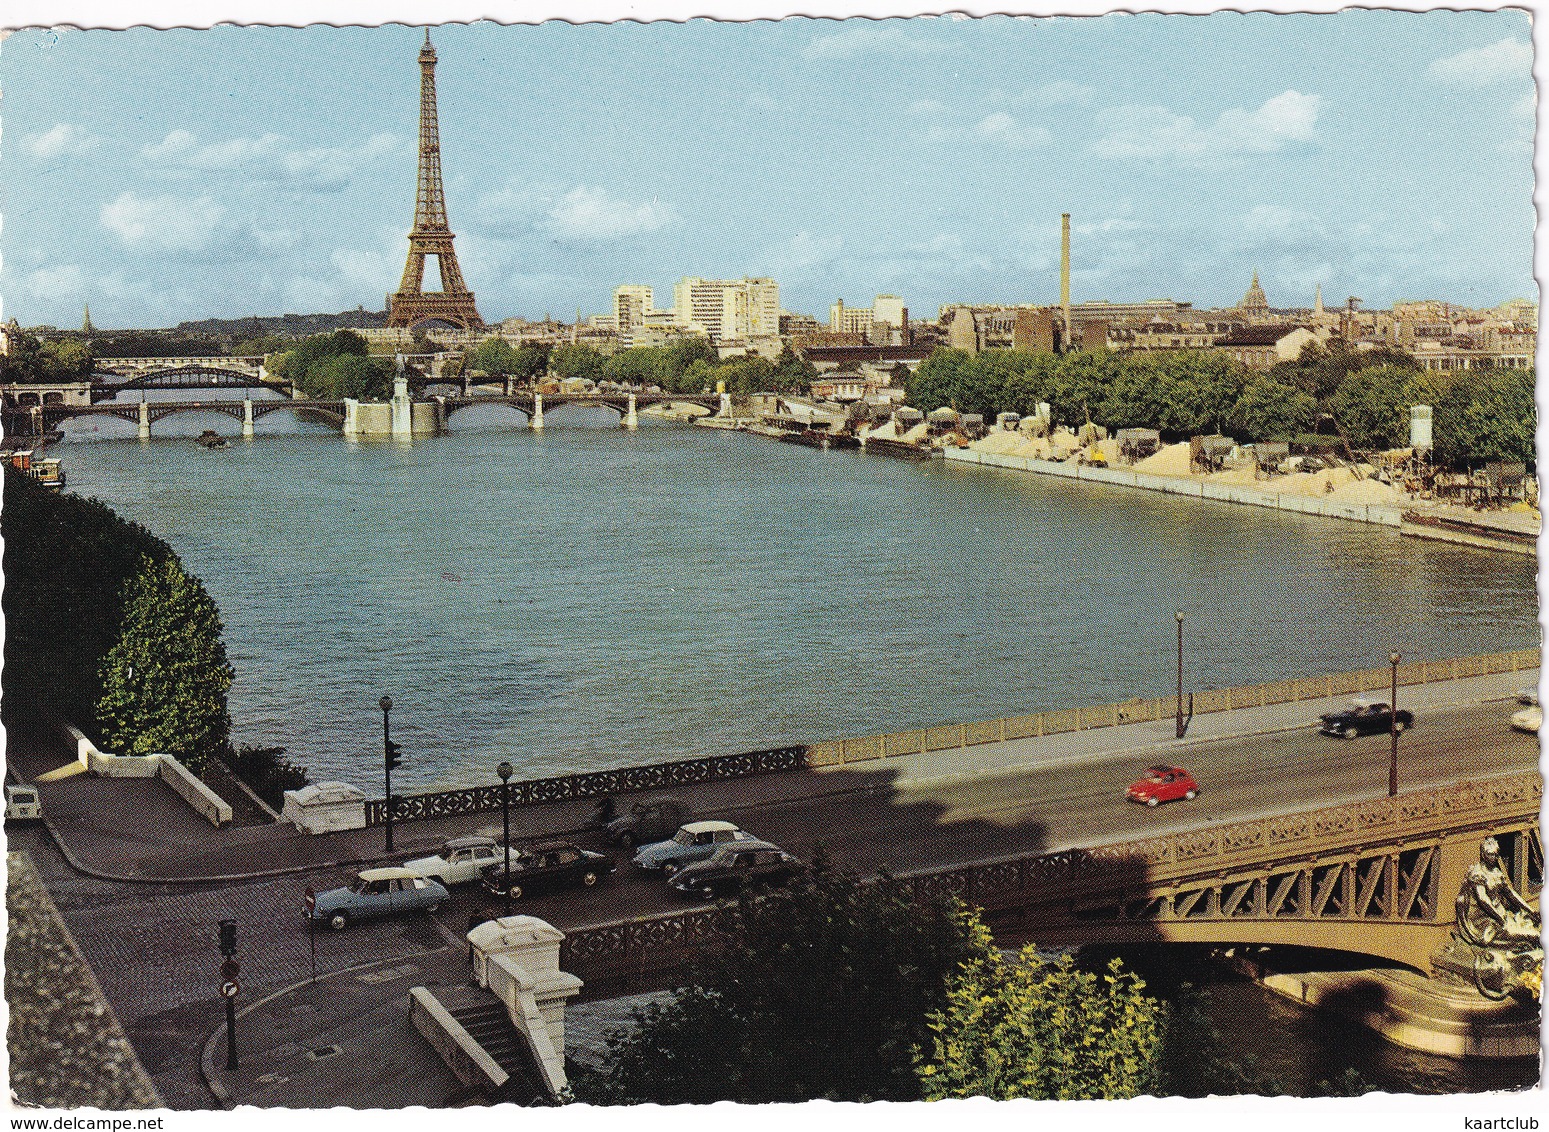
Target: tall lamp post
(504,771)
(1393,659)
(389,760)
(1180,674)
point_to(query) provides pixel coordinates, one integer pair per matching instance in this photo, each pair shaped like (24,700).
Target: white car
(460,861)
(22,804)
(1529,719)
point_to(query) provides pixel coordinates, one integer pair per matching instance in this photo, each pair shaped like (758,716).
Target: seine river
(588,597)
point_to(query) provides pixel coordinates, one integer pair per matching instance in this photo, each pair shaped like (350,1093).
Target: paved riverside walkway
(140,830)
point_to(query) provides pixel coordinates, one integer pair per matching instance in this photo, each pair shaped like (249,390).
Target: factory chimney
(1065,278)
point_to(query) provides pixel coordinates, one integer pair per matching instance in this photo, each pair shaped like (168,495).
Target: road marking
(388,974)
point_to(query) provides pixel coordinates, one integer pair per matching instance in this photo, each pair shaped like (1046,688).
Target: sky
(168,175)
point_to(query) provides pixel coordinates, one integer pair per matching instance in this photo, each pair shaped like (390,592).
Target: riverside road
(152,944)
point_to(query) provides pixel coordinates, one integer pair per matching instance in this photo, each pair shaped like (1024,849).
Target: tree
(577,362)
(493,356)
(1268,410)
(793,372)
(818,991)
(165,679)
(1372,408)
(1040,1030)
(349,375)
(25,362)
(68,561)
(260,345)
(1487,415)
(67,359)
(639,365)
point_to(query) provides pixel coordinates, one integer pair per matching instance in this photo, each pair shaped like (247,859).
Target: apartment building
(728,310)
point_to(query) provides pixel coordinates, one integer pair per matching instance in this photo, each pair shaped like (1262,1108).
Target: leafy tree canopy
(1040,1030)
(577,362)
(818,991)
(1268,410)
(165,679)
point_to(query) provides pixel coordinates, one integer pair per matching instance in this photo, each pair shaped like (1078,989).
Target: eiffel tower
(431,234)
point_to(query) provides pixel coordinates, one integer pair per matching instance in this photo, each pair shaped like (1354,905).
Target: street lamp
(504,771)
(1393,659)
(1180,674)
(389,760)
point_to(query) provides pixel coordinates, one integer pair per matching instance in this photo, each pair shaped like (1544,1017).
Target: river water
(589,597)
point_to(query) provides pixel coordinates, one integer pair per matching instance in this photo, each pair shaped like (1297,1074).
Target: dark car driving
(543,867)
(735,866)
(1364,717)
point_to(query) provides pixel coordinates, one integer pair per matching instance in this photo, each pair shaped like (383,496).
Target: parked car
(558,864)
(1163,783)
(377,892)
(460,861)
(22,803)
(1529,719)
(647,821)
(695,841)
(736,866)
(1364,717)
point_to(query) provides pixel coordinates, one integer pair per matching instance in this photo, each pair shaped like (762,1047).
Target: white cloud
(1155,133)
(867,37)
(56,282)
(58,141)
(1003,128)
(587,213)
(998,128)
(927,107)
(268,158)
(1484,66)
(167,223)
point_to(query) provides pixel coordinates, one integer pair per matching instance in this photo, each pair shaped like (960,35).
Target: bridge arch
(199,377)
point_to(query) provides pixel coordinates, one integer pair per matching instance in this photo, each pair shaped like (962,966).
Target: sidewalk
(347,1039)
(139,830)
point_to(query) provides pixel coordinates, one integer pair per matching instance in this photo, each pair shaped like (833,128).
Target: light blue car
(695,841)
(377,892)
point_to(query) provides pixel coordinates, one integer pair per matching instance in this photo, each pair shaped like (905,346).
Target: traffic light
(228,937)
(393,761)
(230,969)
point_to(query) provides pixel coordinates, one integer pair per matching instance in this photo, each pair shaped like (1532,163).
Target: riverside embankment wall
(954,735)
(1176,485)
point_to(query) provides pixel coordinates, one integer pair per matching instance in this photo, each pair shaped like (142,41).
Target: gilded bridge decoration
(1497,941)
(1367,877)
(596,784)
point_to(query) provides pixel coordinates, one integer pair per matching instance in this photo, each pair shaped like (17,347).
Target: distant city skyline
(169,176)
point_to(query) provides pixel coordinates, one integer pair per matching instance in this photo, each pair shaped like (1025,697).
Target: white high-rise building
(631,303)
(728,309)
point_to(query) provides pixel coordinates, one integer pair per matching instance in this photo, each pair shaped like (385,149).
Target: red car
(1163,784)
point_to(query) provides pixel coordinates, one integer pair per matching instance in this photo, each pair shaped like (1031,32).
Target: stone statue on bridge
(1497,942)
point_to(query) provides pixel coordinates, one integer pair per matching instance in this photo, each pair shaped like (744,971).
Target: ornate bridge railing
(594,784)
(1369,860)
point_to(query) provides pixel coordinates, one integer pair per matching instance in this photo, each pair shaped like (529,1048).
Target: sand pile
(1367,491)
(998,443)
(918,433)
(1064,441)
(884,431)
(1035,449)
(1172,460)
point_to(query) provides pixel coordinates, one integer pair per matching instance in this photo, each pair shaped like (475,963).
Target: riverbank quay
(1509,538)
(140,831)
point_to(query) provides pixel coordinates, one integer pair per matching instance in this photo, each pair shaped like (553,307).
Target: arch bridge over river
(30,412)
(1375,877)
